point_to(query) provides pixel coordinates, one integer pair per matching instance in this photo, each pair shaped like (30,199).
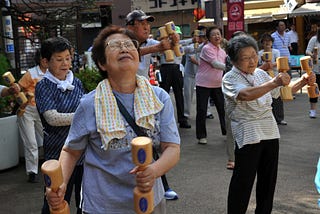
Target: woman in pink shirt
(208,82)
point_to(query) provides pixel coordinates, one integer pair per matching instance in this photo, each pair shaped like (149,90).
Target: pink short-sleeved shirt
(208,76)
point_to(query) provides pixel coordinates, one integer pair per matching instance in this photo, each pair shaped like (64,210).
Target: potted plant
(9,135)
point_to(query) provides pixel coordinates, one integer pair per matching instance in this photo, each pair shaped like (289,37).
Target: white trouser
(31,133)
(188,91)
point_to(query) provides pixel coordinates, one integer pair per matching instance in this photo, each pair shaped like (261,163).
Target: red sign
(235,10)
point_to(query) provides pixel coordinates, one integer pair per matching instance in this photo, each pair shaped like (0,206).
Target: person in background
(313,43)
(281,42)
(294,40)
(312,31)
(29,124)
(172,76)
(191,66)
(105,138)
(248,93)
(57,97)
(266,41)
(208,82)
(139,24)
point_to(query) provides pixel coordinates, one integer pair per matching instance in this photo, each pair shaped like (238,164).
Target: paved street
(201,178)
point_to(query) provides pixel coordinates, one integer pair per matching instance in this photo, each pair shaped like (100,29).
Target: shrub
(89,78)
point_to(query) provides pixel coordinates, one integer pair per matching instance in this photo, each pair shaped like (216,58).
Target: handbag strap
(137,129)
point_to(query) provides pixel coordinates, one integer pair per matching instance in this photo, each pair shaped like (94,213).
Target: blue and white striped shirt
(49,97)
(281,43)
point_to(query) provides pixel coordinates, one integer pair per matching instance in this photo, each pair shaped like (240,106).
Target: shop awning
(307,9)
(260,15)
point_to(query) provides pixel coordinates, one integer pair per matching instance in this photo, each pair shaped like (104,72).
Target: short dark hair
(98,48)
(54,45)
(278,22)
(211,29)
(266,36)
(237,43)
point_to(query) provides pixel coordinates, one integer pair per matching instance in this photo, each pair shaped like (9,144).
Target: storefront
(307,18)
(259,16)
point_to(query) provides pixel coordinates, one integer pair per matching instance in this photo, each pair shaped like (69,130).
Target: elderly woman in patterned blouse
(248,93)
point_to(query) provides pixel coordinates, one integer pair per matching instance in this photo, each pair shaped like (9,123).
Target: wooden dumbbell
(9,79)
(196,33)
(306,65)
(164,35)
(141,150)
(53,179)
(171,29)
(315,55)
(283,66)
(267,57)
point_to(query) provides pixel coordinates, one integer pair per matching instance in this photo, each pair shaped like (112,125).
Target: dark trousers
(164,180)
(172,77)
(75,180)
(203,95)
(277,109)
(294,47)
(259,159)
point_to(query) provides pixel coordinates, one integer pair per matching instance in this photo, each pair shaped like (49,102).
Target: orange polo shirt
(29,80)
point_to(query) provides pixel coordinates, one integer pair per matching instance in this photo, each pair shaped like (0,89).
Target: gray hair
(237,43)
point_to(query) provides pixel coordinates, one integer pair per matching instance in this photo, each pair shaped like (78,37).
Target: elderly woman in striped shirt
(248,93)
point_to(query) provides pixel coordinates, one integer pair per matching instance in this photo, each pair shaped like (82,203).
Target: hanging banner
(8,32)
(235,10)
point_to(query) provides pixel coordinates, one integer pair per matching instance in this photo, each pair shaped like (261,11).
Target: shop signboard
(8,32)
(235,10)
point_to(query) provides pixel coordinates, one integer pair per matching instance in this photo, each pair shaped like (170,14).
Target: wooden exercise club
(53,179)
(141,150)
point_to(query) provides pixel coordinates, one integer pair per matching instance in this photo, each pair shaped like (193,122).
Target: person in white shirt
(294,40)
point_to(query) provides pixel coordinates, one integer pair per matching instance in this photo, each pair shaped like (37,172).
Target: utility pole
(213,9)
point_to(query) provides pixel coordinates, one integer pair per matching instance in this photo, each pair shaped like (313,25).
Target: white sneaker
(312,114)
(202,141)
(171,195)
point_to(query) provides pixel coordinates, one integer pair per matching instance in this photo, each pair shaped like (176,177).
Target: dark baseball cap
(138,15)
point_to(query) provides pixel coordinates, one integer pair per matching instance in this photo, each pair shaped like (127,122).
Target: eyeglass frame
(248,58)
(121,44)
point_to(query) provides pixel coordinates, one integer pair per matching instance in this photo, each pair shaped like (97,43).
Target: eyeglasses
(248,58)
(115,44)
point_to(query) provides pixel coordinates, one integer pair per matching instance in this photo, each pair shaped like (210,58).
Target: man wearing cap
(139,23)
(172,76)
(192,53)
